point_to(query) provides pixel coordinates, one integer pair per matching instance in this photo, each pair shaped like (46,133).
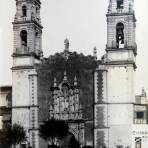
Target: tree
(5,137)
(74,143)
(12,135)
(87,146)
(18,134)
(53,130)
(69,141)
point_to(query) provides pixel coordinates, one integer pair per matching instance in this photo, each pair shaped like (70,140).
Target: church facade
(32,102)
(98,103)
(65,105)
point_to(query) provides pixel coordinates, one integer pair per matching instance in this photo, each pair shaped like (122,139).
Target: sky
(83,22)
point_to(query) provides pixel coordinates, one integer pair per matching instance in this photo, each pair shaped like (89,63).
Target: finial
(65,76)
(95,53)
(66,43)
(55,82)
(130,7)
(75,81)
(143,92)
(109,7)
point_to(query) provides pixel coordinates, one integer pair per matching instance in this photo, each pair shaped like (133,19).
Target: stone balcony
(27,19)
(26,51)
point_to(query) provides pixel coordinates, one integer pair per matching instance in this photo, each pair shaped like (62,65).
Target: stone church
(95,97)
(48,88)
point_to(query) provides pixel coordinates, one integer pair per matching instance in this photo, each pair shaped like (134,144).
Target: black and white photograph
(73,74)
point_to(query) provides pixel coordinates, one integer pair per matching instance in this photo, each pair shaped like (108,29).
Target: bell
(122,41)
(120,32)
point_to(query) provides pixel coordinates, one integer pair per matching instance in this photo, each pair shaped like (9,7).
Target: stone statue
(66,42)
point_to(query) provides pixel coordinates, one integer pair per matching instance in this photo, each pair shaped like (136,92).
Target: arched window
(120,35)
(8,99)
(138,142)
(37,10)
(24,11)
(119,4)
(23,35)
(32,16)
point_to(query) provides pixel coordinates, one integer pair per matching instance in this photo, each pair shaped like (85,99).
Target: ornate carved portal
(66,106)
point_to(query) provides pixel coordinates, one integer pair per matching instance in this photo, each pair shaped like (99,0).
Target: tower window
(140,115)
(138,141)
(119,4)
(120,35)
(23,35)
(119,146)
(24,11)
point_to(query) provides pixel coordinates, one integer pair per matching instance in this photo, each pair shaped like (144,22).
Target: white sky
(83,22)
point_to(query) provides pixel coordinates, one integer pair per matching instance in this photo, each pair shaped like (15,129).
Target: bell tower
(27,28)
(27,53)
(114,79)
(121,25)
